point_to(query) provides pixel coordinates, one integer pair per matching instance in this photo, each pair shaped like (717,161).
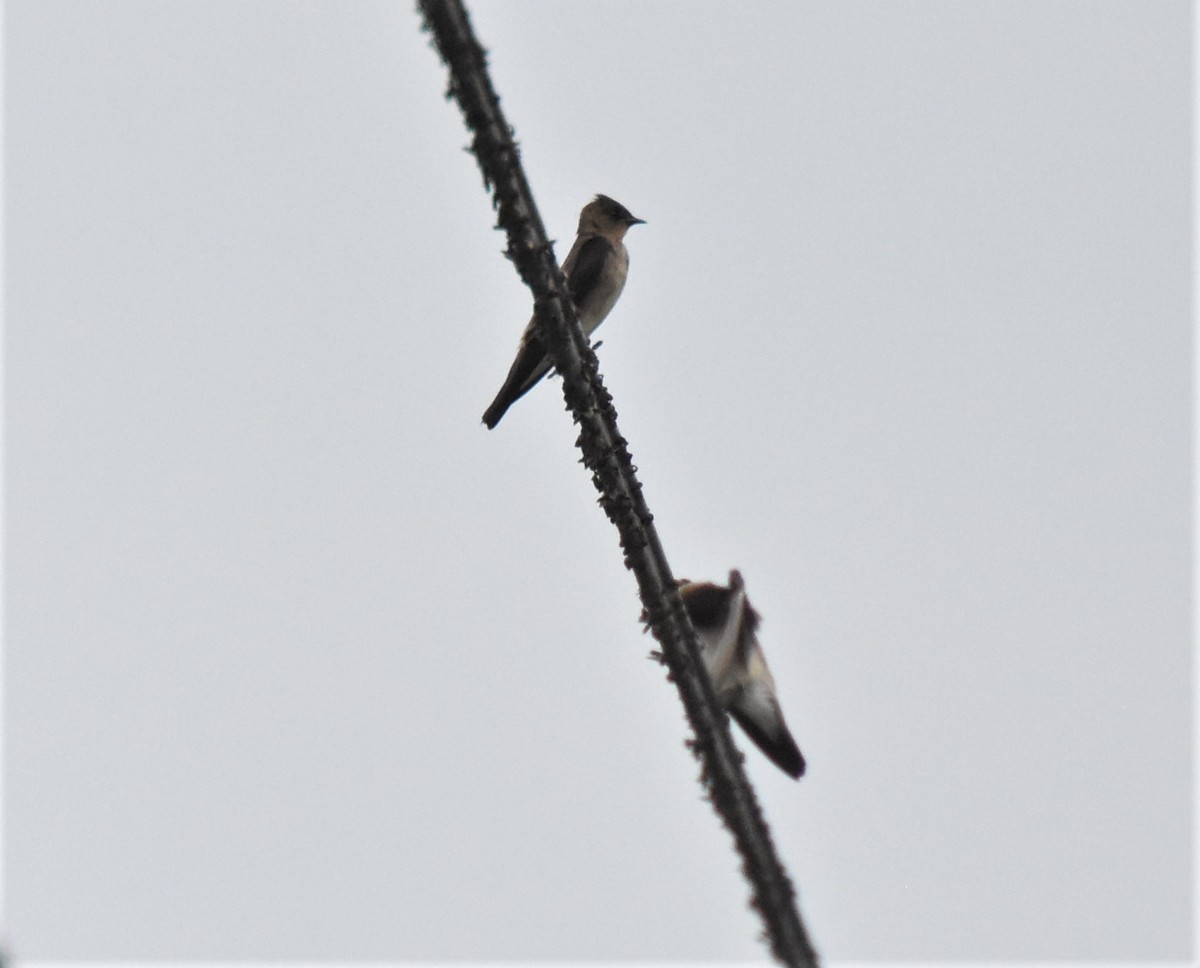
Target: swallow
(727,626)
(595,269)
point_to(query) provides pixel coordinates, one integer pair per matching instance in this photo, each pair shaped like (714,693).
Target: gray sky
(303,663)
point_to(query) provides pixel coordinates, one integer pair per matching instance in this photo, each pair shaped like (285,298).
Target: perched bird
(595,269)
(726,625)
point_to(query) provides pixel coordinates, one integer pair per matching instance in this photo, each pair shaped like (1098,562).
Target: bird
(726,626)
(595,269)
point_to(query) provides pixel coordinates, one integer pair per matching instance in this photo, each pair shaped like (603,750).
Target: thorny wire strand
(605,453)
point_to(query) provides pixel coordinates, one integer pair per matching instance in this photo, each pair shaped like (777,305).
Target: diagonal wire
(606,455)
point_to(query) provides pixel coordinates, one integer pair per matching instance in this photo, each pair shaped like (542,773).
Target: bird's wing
(725,644)
(760,717)
(585,265)
(530,366)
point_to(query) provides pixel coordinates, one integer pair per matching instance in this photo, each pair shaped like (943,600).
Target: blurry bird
(726,626)
(595,269)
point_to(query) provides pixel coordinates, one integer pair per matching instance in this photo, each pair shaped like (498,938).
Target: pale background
(303,663)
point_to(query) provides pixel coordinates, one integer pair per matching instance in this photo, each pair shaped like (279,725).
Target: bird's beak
(636,221)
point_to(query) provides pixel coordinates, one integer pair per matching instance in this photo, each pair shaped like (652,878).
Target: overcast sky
(303,663)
